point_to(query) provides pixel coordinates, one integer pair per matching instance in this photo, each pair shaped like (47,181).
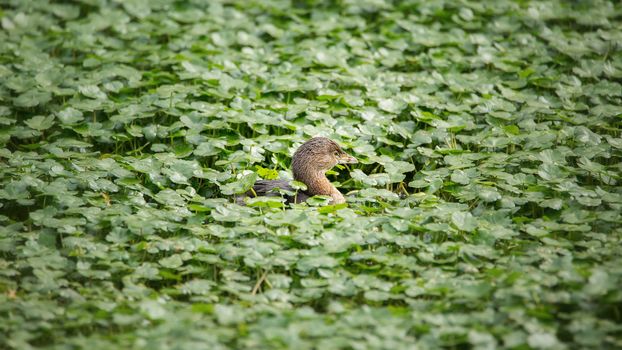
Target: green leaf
(542,340)
(70,116)
(153,309)
(241,185)
(40,122)
(489,194)
(270,202)
(459,176)
(171,262)
(268,174)
(32,98)
(464,221)
(391,105)
(316,201)
(92,91)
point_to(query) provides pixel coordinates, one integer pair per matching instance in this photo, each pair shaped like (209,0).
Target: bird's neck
(318,184)
(316,181)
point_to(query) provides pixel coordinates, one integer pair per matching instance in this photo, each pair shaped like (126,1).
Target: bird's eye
(336,153)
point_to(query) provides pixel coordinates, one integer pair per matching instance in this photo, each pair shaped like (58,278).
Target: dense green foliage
(485,211)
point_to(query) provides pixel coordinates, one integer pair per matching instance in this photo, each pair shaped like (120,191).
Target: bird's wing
(268,187)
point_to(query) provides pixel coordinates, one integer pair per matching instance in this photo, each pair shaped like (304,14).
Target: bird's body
(271,187)
(309,166)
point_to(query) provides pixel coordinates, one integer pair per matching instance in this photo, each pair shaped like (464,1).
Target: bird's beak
(347,159)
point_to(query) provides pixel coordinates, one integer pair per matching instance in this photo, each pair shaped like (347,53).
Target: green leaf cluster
(484,211)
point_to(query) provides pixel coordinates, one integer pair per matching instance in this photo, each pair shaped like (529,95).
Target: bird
(309,165)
